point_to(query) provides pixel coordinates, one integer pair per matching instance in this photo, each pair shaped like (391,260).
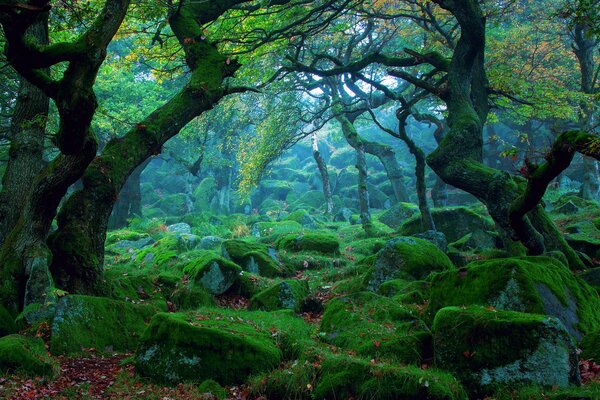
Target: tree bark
(27,132)
(363,194)
(78,244)
(322,166)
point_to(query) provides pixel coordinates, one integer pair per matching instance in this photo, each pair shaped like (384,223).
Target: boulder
(539,285)
(180,227)
(287,294)
(398,214)
(319,242)
(26,356)
(178,348)
(210,243)
(256,258)
(215,273)
(409,258)
(96,322)
(484,347)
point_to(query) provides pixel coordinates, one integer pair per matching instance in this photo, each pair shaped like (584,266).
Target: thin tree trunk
(322,166)
(363,194)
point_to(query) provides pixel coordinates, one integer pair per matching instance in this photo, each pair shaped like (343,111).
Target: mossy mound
(310,260)
(268,229)
(97,322)
(319,242)
(454,222)
(212,271)
(406,292)
(592,277)
(212,389)
(256,258)
(344,377)
(375,326)
(398,214)
(7,322)
(365,247)
(585,244)
(485,348)
(407,258)
(162,254)
(26,356)
(191,296)
(221,345)
(539,285)
(590,346)
(288,294)
(138,287)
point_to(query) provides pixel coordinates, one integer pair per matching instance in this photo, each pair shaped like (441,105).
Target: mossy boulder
(454,222)
(314,199)
(476,240)
(223,346)
(267,229)
(256,258)
(215,273)
(592,277)
(7,322)
(345,377)
(211,389)
(175,204)
(191,296)
(487,347)
(406,291)
(26,356)
(302,217)
(365,247)
(585,244)
(204,193)
(96,322)
(539,285)
(375,326)
(408,258)
(318,242)
(287,294)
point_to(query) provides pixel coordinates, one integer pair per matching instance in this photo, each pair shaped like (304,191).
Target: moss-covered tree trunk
(458,160)
(24,256)
(363,193)
(322,167)
(27,132)
(78,244)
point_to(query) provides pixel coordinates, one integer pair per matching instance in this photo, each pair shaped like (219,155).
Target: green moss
(539,285)
(318,242)
(375,326)
(248,284)
(7,322)
(162,254)
(27,356)
(407,258)
(226,346)
(213,388)
(96,322)
(399,213)
(347,377)
(214,272)
(590,391)
(365,247)
(191,297)
(267,229)
(288,294)
(137,287)
(252,257)
(485,347)
(113,237)
(406,292)
(310,260)
(590,346)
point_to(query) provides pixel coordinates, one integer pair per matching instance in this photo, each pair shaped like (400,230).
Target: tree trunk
(363,194)
(322,166)
(27,131)
(591,183)
(78,244)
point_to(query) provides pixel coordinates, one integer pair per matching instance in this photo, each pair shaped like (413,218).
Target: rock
(181,227)
(191,297)
(215,273)
(303,218)
(26,356)
(592,277)
(132,244)
(314,199)
(484,347)
(253,257)
(567,208)
(584,244)
(96,322)
(454,222)
(538,285)
(262,229)
(398,214)
(186,241)
(375,326)
(174,204)
(344,215)
(210,243)
(211,389)
(320,242)
(176,349)
(288,294)
(436,237)
(476,240)
(409,258)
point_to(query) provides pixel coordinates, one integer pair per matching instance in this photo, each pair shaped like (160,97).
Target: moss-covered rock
(406,292)
(191,296)
(375,326)
(365,247)
(585,244)
(476,240)
(226,346)
(256,258)
(592,277)
(310,260)
(539,285)
(268,229)
(204,193)
(26,356)
(408,258)
(7,322)
(454,222)
(314,199)
(212,389)
(319,242)
(212,271)
(486,347)
(344,377)
(97,322)
(287,294)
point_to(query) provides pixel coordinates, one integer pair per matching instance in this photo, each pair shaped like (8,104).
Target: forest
(300,199)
